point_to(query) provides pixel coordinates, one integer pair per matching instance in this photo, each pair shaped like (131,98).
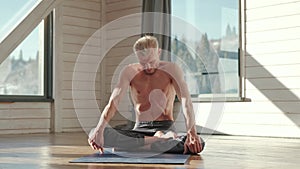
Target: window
(25,75)
(209,56)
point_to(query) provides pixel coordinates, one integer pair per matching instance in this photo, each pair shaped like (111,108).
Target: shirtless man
(153,84)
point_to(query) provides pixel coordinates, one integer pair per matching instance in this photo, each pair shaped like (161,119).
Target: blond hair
(145,42)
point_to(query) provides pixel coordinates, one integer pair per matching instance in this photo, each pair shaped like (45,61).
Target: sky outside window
(208,16)
(22,72)
(12,13)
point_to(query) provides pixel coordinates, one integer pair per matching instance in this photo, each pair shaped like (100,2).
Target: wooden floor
(38,151)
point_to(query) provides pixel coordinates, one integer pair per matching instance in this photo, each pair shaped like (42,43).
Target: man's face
(149,59)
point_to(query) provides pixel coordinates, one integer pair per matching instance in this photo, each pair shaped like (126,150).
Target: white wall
(272,70)
(124,27)
(83,38)
(76,21)
(25,118)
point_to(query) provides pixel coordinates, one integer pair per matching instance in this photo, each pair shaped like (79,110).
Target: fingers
(91,143)
(197,147)
(200,145)
(101,150)
(96,147)
(192,147)
(186,148)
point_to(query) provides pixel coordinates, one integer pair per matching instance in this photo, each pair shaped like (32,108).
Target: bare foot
(169,134)
(159,134)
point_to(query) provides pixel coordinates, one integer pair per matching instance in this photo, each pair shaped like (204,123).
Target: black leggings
(126,139)
(133,139)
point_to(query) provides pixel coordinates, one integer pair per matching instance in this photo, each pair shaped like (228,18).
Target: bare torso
(152,94)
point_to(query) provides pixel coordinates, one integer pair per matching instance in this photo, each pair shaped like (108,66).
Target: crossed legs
(132,140)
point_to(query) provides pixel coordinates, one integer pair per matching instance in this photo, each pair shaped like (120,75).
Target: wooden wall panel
(114,10)
(24,117)
(271,73)
(79,20)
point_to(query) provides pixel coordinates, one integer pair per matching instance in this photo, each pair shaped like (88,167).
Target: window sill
(24,99)
(221,99)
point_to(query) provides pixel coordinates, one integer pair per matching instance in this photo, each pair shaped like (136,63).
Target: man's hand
(96,141)
(192,143)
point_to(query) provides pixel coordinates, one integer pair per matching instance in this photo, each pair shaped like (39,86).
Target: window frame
(48,69)
(240,95)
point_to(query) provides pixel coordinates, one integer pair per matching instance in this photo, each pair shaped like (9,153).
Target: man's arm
(96,139)
(192,142)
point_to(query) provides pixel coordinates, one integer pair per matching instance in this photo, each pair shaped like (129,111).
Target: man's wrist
(192,130)
(98,131)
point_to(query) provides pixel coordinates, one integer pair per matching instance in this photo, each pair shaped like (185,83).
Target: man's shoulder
(131,68)
(133,65)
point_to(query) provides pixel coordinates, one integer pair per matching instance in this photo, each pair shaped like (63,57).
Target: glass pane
(22,73)
(12,13)
(209,56)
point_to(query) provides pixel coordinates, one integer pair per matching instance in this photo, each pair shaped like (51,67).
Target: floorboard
(38,151)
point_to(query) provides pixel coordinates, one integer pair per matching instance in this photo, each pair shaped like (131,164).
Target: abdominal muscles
(154,107)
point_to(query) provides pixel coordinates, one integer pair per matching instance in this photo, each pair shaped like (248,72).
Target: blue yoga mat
(133,158)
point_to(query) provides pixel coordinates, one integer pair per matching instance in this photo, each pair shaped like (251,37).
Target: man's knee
(122,138)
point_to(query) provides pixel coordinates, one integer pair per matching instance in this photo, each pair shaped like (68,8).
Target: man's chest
(158,80)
